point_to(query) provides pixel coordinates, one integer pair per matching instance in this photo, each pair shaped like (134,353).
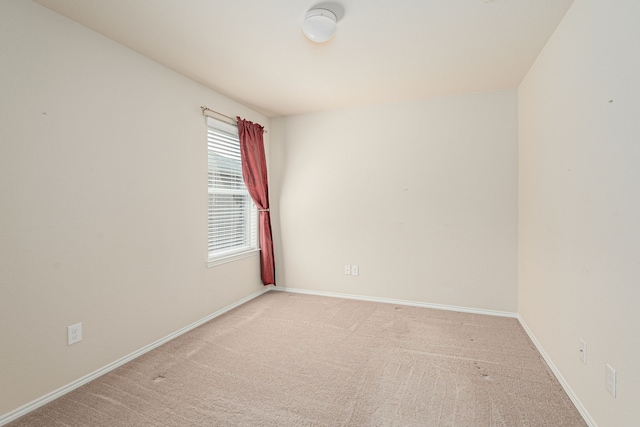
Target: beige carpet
(287,359)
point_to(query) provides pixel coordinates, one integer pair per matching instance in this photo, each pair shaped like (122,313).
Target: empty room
(347,213)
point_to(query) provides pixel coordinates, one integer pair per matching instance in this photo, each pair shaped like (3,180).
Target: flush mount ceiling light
(319,25)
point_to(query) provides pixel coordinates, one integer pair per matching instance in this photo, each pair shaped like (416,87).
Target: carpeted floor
(287,359)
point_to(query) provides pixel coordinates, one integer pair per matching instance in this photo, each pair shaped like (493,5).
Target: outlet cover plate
(611,380)
(355,270)
(582,350)
(74,333)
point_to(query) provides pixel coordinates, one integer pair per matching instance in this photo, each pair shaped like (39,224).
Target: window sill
(223,260)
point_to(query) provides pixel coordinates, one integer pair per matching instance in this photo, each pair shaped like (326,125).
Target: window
(232,216)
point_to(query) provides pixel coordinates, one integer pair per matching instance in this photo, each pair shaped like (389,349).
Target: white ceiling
(384,50)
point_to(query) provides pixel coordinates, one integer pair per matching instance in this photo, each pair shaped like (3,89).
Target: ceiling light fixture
(319,25)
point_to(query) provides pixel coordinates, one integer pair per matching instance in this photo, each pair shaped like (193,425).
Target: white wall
(421,195)
(579,190)
(102,203)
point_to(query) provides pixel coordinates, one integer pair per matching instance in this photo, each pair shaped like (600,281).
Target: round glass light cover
(319,25)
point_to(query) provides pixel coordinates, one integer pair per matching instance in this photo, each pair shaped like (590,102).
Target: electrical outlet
(611,380)
(582,350)
(74,333)
(354,270)
(347,269)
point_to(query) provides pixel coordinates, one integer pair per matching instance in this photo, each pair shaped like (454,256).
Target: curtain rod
(204,108)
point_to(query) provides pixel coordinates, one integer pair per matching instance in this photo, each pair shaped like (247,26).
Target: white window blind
(232,214)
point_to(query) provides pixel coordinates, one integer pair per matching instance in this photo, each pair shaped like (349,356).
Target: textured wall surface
(579,223)
(421,195)
(103,183)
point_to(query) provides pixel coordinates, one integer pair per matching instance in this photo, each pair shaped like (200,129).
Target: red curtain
(254,170)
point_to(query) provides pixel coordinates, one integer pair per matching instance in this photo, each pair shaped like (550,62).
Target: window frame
(249,223)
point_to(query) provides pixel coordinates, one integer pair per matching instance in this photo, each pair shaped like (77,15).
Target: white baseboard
(400,302)
(25,409)
(578,404)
